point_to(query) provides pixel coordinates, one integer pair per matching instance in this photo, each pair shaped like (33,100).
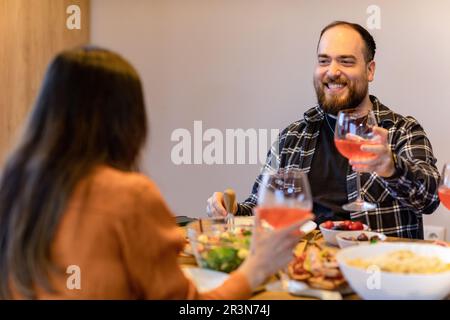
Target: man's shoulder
(312,114)
(294,127)
(390,119)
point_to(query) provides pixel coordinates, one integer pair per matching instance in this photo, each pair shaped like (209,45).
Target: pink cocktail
(352,149)
(444,196)
(279,217)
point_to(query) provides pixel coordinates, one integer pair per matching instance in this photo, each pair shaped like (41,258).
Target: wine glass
(284,198)
(354,129)
(444,186)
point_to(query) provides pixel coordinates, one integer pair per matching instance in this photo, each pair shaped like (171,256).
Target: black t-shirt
(328,176)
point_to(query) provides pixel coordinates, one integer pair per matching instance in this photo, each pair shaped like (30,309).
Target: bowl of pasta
(397,271)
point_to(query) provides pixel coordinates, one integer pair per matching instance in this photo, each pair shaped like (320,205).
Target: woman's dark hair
(369,52)
(90,111)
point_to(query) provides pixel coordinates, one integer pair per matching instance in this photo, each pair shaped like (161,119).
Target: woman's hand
(270,251)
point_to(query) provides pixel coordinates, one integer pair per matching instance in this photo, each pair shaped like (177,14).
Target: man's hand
(383,162)
(216,206)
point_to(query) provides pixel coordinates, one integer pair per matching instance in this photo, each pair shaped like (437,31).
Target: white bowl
(330,235)
(344,243)
(395,285)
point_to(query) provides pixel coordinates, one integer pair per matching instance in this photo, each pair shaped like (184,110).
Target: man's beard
(335,103)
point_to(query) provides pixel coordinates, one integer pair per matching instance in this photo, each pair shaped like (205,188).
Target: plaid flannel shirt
(401,200)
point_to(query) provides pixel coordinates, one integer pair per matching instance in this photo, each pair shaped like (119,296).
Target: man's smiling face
(342,75)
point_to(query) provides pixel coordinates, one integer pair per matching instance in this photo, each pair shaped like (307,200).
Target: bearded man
(401,179)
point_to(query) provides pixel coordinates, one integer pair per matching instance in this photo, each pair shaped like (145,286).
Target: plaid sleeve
(272,164)
(416,181)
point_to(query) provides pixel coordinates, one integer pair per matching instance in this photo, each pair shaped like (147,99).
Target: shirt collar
(314,114)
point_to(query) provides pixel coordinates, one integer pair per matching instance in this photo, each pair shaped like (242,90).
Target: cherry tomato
(357,225)
(328,224)
(347,224)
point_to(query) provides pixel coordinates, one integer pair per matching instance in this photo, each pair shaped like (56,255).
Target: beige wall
(248,64)
(31,32)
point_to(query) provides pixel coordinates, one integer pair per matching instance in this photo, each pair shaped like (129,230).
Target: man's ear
(371,70)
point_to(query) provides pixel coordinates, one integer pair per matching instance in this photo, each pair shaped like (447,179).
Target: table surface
(262,294)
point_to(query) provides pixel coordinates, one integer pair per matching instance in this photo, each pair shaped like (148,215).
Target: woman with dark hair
(69,195)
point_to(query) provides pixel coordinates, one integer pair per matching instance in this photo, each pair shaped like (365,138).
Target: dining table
(263,293)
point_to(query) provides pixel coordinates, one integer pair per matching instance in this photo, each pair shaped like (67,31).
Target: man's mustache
(334,81)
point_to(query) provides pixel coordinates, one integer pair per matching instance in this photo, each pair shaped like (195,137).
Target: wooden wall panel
(31,33)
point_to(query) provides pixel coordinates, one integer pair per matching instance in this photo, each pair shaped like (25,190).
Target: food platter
(315,264)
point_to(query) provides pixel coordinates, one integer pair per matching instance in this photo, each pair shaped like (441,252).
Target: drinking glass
(444,186)
(354,128)
(284,197)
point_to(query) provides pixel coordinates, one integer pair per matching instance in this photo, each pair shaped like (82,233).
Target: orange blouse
(118,230)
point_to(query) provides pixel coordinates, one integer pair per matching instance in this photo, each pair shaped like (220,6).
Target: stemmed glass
(354,129)
(284,197)
(444,186)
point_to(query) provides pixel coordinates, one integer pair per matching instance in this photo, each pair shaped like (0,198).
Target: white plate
(205,279)
(301,289)
(308,227)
